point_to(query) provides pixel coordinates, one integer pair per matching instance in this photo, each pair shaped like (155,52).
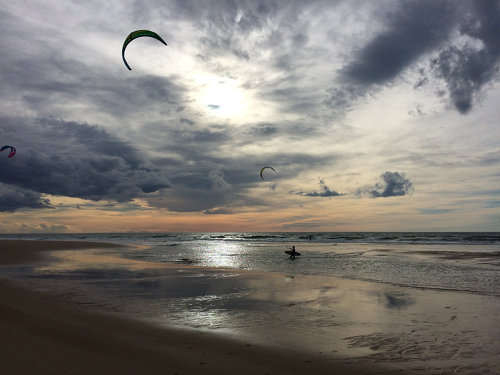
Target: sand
(43,334)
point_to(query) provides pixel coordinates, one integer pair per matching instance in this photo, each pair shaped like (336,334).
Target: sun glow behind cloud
(223,98)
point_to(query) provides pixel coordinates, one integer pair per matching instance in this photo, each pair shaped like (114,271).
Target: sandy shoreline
(42,334)
(24,251)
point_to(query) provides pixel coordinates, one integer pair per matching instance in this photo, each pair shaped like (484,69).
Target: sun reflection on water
(223,254)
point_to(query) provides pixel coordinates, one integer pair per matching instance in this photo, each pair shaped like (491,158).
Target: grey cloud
(45,78)
(467,69)
(263,130)
(218,182)
(187,121)
(201,137)
(416,27)
(493,204)
(43,228)
(310,225)
(227,24)
(210,183)
(76,160)
(324,192)
(392,184)
(198,190)
(217,211)
(13,198)
(191,200)
(437,211)
(340,100)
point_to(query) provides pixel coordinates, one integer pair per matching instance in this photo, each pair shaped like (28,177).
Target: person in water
(292,254)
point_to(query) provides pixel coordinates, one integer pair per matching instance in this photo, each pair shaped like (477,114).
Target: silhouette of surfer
(292,252)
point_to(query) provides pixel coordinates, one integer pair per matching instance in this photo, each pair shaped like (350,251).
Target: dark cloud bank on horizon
(73,160)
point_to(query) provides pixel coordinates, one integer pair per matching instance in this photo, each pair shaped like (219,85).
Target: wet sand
(41,334)
(278,324)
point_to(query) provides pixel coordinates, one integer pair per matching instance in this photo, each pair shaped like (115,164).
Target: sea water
(468,262)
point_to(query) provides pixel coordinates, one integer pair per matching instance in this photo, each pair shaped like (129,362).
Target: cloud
(325,191)
(418,30)
(309,225)
(227,25)
(13,198)
(413,29)
(187,121)
(217,211)
(43,228)
(76,160)
(468,68)
(393,184)
(48,77)
(437,211)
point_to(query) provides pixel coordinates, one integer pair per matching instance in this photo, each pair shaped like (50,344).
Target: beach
(248,322)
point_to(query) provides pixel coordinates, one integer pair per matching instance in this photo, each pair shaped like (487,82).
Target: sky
(375,115)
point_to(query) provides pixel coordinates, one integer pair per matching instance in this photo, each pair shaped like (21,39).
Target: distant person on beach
(292,254)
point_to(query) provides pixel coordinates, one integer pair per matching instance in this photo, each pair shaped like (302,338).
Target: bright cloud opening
(222,97)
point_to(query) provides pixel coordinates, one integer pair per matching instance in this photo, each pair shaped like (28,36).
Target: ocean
(461,261)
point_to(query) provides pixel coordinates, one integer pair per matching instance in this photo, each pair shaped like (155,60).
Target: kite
(137,34)
(12,150)
(262,170)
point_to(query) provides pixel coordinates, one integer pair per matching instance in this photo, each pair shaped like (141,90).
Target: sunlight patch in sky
(222,97)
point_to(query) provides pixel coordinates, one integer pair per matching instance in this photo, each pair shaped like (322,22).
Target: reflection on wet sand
(417,329)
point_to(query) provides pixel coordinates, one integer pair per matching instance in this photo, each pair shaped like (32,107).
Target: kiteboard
(289,252)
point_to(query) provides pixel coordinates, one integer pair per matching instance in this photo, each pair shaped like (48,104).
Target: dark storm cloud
(13,198)
(324,192)
(467,69)
(413,29)
(393,184)
(76,160)
(207,183)
(419,28)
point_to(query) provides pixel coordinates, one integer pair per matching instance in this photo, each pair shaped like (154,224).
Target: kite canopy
(137,34)
(262,170)
(12,150)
